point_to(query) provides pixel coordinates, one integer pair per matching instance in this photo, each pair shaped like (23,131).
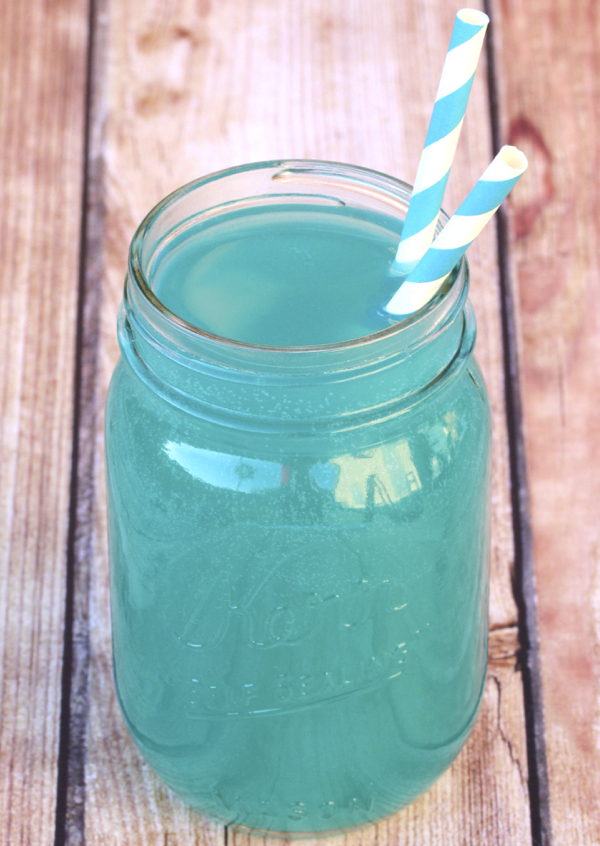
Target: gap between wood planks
(524,578)
(70,790)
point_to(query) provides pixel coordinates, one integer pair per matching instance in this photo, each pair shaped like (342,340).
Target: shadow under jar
(299,535)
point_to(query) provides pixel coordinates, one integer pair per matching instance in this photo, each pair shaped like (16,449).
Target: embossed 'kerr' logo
(272,609)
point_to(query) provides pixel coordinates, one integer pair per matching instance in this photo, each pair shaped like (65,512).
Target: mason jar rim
(356,179)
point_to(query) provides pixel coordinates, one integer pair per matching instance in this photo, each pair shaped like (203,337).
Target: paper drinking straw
(461,230)
(442,136)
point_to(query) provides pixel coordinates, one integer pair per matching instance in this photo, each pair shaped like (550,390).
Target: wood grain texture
(196,86)
(42,89)
(551,108)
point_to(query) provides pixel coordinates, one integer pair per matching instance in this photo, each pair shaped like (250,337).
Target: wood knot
(525,135)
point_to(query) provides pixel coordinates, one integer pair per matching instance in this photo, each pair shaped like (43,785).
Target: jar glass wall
(298,537)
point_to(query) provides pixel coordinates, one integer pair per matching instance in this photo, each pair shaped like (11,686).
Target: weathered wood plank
(195,87)
(42,92)
(551,107)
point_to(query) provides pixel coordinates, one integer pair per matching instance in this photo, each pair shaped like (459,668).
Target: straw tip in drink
(473,16)
(514,158)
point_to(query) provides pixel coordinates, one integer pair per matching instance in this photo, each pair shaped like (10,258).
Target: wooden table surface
(106,106)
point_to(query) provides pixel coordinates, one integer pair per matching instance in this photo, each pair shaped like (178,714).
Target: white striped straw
(442,137)
(461,230)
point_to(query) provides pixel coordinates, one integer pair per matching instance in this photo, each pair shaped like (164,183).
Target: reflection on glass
(380,476)
(221,470)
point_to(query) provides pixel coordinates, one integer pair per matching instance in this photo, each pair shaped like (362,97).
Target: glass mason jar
(299,539)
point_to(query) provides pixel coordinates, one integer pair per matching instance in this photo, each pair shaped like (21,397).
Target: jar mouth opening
(363,182)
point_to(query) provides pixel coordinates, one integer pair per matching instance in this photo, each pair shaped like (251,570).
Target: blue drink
(298,503)
(265,276)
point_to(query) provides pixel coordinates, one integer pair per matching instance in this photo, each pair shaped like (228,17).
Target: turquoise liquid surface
(299,621)
(283,277)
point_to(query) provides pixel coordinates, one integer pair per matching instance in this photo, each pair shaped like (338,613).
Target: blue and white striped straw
(442,137)
(461,230)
